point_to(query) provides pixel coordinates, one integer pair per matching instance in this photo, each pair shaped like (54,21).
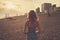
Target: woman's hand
(38,32)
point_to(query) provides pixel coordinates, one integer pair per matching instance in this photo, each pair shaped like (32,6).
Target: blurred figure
(31,24)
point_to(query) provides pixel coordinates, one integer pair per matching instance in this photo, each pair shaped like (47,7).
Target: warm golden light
(23,6)
(9,5)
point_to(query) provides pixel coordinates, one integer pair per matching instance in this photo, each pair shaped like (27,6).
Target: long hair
(32,16)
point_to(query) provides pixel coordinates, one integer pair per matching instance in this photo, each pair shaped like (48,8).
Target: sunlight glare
(9,5)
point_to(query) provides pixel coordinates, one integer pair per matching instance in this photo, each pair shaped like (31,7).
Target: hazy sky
(23,6)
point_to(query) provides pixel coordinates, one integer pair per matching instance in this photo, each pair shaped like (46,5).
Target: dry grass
(12,29)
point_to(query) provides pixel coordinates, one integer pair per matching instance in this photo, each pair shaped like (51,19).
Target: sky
(20,7)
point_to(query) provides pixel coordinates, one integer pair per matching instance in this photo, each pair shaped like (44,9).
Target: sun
(10,5)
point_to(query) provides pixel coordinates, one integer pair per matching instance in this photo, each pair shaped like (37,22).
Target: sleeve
(25,28)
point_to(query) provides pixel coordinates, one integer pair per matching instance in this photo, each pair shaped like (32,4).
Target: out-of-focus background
(20,7)
(13,15)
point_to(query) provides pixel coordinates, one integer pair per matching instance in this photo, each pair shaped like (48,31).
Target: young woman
(31,24)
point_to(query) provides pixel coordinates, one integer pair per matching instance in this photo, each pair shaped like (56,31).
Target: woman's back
(31,24)
(31,34)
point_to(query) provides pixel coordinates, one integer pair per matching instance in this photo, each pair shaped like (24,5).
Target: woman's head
(32,16)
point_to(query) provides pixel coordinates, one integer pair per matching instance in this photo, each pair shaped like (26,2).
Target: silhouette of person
(31,24)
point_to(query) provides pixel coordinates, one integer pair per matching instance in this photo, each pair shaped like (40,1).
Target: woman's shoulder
(31,22)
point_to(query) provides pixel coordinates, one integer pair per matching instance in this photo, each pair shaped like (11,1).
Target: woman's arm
(38,26)
(25,28)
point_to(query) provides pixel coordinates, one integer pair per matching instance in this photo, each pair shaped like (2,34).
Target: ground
(12,29)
